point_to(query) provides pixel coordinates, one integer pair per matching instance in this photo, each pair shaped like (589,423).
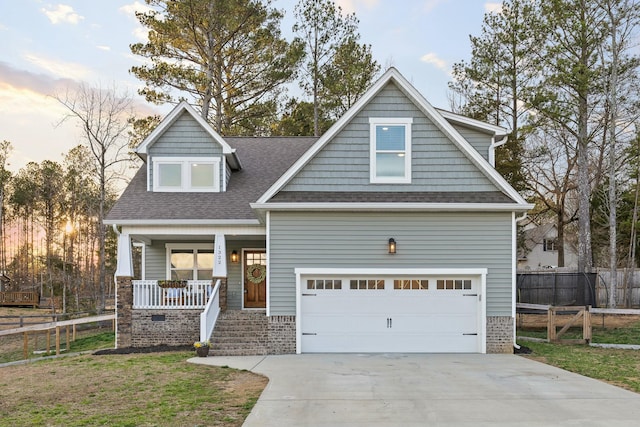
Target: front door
(255,279)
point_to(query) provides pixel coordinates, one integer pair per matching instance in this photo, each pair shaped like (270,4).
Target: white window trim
(392,121)
(192,246)
(185,163)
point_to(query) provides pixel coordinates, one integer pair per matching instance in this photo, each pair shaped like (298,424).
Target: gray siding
(343,164)
(184,138)
(155,261)
(479,140)
(359,240)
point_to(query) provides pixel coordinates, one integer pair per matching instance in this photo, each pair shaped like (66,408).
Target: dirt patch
(143,350)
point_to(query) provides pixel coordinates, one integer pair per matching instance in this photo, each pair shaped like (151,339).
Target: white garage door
(434,314)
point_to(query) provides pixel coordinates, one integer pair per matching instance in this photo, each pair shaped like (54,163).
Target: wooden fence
(628,289)
(57,326)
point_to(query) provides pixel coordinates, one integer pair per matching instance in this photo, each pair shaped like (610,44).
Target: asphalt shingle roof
(391,197)
(264,160)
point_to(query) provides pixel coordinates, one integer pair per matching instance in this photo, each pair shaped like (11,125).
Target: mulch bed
(152,349)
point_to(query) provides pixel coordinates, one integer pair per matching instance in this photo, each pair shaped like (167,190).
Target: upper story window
(390,140)
(550,245)
(186,174)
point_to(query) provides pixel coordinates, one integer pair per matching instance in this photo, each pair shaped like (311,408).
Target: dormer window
(390,143)
(196,174)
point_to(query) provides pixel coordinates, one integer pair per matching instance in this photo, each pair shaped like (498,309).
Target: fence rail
(67,324)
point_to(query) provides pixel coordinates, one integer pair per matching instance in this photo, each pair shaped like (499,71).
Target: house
(392,232)
(539,249)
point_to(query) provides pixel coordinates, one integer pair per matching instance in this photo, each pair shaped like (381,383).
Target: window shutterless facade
(390,145)
(189,262)
(186,174)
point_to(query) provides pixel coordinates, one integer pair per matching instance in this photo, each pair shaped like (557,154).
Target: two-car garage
(403,311)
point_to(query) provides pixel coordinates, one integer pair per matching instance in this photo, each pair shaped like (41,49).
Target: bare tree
(104,117)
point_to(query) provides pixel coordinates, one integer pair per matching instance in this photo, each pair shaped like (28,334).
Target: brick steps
(240,333)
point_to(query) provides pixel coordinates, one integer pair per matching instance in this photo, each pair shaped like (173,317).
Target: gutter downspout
(516,220)
(115,282)
(492,149)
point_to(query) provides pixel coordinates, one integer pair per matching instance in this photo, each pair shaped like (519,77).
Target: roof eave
(434,207)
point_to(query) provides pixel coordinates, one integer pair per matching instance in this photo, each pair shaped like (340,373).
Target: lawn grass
(126,390)
(618,367)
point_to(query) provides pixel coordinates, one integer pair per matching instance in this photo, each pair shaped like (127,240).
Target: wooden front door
(255,279)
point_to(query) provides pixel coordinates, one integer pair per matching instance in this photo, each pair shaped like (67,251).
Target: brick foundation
(500,334)
(124,302)
(282,334)
(166,327)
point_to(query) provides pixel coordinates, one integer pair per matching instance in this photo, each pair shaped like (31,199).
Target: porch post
(220,268)
(124,308)
(124,292)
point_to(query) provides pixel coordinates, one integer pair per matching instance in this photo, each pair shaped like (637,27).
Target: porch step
(240,333)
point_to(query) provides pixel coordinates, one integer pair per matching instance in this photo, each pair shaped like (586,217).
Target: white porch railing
(147,294)
(209,316)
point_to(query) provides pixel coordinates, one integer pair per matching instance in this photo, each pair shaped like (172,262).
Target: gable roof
(265,160)
(183,107)
(392,75)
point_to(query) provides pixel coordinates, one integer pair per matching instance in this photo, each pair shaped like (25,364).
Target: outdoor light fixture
(234,257)
(392,246)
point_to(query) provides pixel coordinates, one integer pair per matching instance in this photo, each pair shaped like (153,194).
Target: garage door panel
(389,343)
(391,319)
(356,322)
(434,323)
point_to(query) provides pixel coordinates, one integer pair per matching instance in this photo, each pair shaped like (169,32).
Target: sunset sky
(49,47)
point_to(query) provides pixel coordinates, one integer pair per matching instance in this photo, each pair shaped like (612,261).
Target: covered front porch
(179,283)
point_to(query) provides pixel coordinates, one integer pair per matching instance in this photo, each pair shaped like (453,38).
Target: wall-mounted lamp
(392,246)
(234,257)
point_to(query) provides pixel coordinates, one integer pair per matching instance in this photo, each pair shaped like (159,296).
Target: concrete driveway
(428,390)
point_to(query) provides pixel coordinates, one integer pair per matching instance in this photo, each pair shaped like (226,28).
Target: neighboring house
(540,248)
(392,232)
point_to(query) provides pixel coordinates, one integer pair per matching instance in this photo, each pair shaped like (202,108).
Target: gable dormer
(184,154)
(392,145)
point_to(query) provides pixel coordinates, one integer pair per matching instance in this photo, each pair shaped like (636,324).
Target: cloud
(432,58)
(350,6)
(429,5)
(139,33)
(492,7)
(62,14)
(131,9)
(105,48)
(58,68)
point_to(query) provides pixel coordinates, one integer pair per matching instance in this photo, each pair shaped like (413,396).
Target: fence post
(25,346)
